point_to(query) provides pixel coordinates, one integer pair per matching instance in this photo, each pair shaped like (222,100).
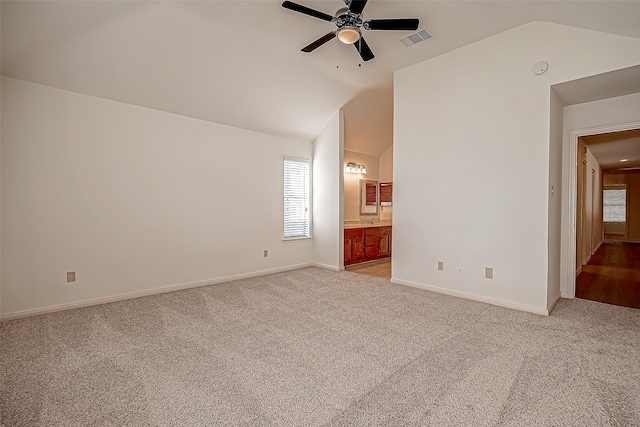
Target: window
(296,198)
(615,204)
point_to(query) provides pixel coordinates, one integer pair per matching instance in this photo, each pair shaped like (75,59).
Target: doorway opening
(380,268)
(607,215)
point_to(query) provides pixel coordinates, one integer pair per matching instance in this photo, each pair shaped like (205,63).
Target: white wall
(621,109)
(352,183)
(555,199)
(328,186)
(368,120)
(589,115)
(471,165)
(132,199)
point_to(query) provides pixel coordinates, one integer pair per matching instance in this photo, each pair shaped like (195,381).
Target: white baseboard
(327,266)
(130,295)
(553,304)
(494,301)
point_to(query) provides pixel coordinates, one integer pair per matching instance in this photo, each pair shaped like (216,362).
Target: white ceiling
(239,62)
(610,148)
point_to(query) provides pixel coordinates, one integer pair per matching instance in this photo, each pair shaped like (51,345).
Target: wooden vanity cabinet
(353,245)
(384,241)
(371,242)
(366,244)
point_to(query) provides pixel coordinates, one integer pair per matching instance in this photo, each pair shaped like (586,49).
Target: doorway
(380,268)
(607,244)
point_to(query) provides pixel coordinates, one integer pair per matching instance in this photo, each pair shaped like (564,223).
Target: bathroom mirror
(369,197)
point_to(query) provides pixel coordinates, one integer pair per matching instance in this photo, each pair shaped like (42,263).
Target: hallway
(612,275)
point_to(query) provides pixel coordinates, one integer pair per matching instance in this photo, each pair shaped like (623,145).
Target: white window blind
(296,198)
(614,205)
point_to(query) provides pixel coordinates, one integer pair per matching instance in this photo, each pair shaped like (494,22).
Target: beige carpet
(314,347)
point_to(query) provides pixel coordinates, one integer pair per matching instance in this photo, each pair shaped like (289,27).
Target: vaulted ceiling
(239,62)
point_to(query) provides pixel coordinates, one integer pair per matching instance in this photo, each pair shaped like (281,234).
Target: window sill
(296,239)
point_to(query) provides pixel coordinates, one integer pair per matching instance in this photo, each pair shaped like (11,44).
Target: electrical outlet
(440,265)
(266,253)
(488,273)
(71,276)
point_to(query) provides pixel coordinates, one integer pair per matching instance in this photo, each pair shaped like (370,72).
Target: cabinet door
(353,245)
(384,245)
(384,241)
(371,242)
(358,247)
(348,250)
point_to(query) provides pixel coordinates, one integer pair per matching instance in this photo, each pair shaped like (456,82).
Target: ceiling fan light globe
(349,35)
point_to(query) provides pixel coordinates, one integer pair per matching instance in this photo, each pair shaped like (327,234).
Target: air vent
(416,38)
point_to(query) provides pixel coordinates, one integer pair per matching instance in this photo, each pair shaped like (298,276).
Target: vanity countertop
(349,225)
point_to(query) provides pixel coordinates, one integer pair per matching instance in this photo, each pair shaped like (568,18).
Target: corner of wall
(327,193)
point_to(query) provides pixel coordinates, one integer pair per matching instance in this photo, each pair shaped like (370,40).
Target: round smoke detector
(540,68)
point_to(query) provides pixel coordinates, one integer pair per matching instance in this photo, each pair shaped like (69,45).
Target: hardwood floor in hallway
(612,275)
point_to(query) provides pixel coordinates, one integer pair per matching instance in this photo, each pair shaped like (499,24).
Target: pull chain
(338,53)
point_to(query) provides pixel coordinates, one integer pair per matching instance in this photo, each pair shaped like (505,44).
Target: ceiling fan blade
(393,24)
(357,6)
(307,11)
(364,50)
(322,40)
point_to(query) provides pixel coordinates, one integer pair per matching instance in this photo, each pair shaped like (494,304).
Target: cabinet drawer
(373,231)
(353,232)
(384,231)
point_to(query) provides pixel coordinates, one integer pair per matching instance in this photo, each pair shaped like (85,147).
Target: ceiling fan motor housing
(344,18)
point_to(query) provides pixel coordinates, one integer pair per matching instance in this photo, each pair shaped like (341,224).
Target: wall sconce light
(355,168)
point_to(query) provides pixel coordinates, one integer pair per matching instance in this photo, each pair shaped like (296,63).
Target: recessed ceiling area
(606,85)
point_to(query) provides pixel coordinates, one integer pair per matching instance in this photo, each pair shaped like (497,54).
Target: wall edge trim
(465,295)
(553,304)
(326,266)
(148,292)
(569,255)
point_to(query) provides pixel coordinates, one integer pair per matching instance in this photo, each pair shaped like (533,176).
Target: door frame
(568,255)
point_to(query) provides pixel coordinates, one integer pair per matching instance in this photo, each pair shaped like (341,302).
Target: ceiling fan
(349,21)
